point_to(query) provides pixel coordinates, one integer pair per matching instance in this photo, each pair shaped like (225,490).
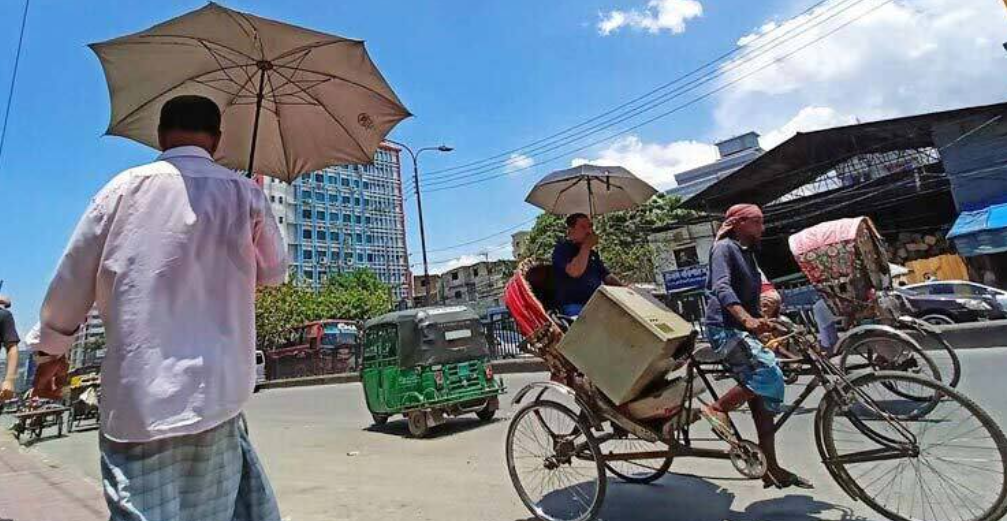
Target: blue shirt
(734,279)
(578,290)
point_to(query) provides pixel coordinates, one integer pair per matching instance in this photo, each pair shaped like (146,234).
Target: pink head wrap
(736,214)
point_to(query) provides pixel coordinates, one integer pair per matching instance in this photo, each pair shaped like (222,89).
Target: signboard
(693,277)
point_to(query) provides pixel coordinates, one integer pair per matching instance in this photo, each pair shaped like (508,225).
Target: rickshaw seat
(542,280)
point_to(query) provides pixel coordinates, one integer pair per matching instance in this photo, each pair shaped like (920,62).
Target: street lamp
(419,208)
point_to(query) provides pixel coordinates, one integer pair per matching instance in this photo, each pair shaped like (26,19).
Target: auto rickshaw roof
(419,345)
(436,314)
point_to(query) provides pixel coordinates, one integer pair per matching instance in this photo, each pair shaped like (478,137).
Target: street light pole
(419,209)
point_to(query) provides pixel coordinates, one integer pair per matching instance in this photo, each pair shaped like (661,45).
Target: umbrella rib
(255,37)
(563,191)
(326,109)
(312,46)
(279,127)
(162,93)
(345,80)
(251,59)
(221,65)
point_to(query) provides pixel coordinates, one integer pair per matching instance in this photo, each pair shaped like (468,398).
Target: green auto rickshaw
(427,364)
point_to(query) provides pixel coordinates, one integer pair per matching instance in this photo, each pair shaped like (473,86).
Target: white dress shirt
(171,252)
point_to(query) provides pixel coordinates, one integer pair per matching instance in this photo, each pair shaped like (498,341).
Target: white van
(260,369)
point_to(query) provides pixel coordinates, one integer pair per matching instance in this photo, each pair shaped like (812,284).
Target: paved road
(326,463)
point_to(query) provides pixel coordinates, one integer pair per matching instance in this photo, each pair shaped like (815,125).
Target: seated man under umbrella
(578,267)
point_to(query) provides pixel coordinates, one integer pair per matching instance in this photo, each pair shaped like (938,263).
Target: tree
(356,295)
(624,236)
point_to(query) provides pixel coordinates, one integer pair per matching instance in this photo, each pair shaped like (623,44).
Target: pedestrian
(733,323)
(578,267)
(172,252)
(9,340)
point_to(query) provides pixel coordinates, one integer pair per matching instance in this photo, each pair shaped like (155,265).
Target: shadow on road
(689,498)
(453,426)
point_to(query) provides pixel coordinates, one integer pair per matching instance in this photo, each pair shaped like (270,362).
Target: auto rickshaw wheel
(489,411)
(419,425)
(379,419)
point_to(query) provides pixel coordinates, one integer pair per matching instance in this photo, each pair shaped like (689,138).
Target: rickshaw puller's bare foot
(720,422)
(782,479)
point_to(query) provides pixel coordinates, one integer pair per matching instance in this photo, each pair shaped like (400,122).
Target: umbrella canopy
(293,100)
(590,189)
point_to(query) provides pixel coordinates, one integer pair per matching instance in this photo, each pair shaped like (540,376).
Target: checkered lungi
(210,476)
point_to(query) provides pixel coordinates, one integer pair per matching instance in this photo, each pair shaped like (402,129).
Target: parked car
(934,303)
(959,288)
(260,370)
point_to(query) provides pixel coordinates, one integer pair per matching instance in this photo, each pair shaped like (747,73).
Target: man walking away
(172,252)
(9,339)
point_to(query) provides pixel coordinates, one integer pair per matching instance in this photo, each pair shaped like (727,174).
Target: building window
(454,276)
(306,234)
(359,219)
(308,255)
(280,219)
(686,257)
(356,202)
(309,274)
(346,199)
(370,257)
(272,198)
(346,181)
(320,215)
(475,272)
(347,218)
(281,199)
(306,213)
(333,217)
(333,236)
(370,239)
(319,178)
(333,198)
(458,295)
(306,195)
(360,257)
(359,237)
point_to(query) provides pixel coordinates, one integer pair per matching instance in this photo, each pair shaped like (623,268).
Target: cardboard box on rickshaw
(625,343)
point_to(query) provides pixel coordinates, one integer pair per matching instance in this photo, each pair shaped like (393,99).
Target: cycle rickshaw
(932,456)
(846,262)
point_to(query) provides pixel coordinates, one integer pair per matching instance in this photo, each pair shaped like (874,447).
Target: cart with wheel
(36,416)
(846,262)
(934,455)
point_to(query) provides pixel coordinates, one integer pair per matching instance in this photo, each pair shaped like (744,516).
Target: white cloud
(498,252)
(659,15)
(655,163)
(907,57)
(809,119)
(517,162)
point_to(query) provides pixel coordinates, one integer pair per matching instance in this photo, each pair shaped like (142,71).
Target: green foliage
(356,295)
(624,236)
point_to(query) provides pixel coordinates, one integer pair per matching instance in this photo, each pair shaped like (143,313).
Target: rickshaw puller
(734,321)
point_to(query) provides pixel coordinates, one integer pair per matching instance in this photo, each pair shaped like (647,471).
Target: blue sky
(486,77)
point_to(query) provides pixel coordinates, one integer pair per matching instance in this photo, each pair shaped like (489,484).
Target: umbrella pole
(255,127)
(590,198)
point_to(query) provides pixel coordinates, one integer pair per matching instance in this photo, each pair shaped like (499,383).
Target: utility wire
(13,78)
(714,61)
(753,53)
(665,114)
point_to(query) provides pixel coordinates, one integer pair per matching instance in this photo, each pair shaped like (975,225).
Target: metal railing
(502,336)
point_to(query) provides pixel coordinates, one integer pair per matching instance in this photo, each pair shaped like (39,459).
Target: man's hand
(6,390)
(591,241)
(50,378)
(757,326)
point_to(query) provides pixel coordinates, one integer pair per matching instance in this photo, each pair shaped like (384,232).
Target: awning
(981,232)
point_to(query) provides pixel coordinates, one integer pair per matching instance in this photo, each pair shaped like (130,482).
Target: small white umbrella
(293,100)
(590,189)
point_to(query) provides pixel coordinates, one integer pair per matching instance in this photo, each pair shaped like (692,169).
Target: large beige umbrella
(293,100)
(590,189)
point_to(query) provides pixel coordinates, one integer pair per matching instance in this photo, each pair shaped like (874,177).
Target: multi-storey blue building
(344,218)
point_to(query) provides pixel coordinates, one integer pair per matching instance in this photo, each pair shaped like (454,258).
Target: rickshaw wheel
(640,472)
(419,427)
(489,411)
(379,419)
(555,463)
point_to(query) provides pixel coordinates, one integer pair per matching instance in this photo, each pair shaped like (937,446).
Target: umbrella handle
(258,112)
